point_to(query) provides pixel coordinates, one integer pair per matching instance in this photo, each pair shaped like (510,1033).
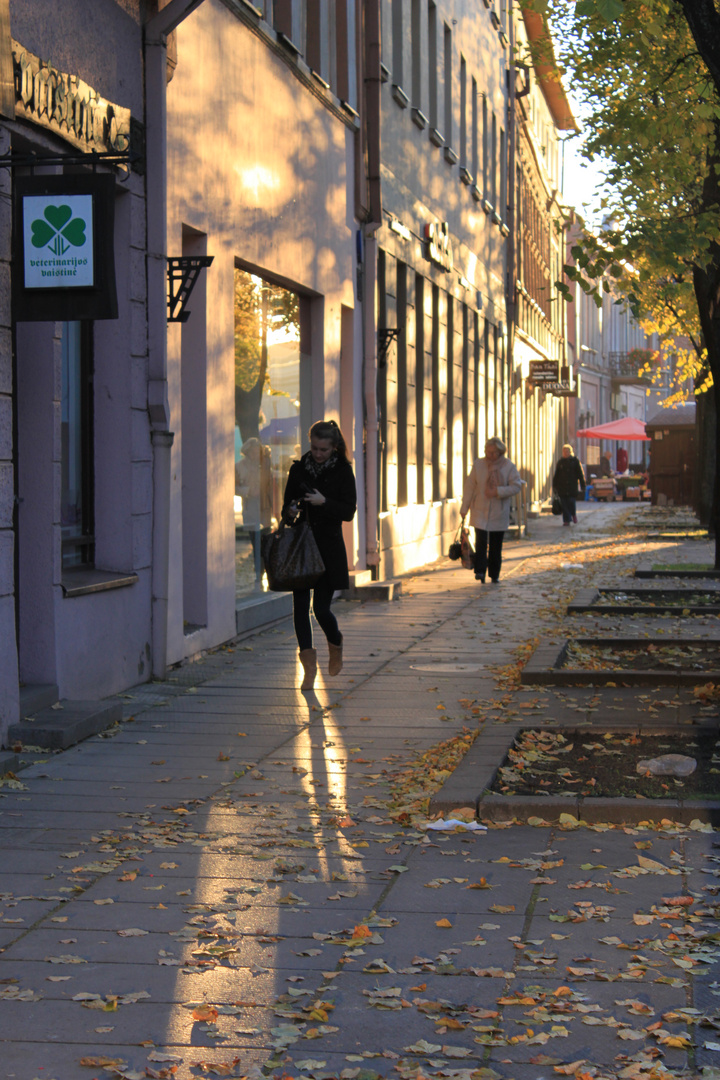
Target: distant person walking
(322,485)
(491,484)
(567,478)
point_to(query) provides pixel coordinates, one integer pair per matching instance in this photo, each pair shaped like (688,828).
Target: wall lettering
(439,247)
(67,105)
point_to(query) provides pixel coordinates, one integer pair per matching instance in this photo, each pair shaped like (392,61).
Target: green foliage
(651,115)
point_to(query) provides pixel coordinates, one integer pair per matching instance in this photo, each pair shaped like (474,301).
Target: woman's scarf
(317,469)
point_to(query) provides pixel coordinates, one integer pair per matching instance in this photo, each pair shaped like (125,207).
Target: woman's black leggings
(322,598)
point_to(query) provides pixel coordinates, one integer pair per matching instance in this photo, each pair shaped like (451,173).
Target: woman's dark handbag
(291,556)
(462,549)
(455,549)
(556,505)
(467,556)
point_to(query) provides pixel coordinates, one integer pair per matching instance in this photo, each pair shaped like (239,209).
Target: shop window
(77,464)
(420,383)
(435,396)
(402,384)
(267,415)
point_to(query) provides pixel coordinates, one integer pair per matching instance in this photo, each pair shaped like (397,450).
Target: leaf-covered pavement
(240,883)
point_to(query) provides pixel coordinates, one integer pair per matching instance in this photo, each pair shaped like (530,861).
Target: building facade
(540,414)
(262,132)
(469,251)
(75,448)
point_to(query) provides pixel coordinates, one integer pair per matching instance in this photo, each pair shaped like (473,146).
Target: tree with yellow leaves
(648,75)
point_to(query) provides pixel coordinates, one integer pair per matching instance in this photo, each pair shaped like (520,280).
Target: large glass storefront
(267,416)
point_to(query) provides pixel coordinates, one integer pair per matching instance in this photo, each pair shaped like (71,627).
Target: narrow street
(237,881)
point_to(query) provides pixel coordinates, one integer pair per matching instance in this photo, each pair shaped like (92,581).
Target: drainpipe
(373,221)
(156,33)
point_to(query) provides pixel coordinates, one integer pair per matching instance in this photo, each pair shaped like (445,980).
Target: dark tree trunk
(247,402)
(706,282)
(705,479)
(704,21)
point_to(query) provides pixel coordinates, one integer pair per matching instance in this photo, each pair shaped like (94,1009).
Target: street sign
(543,372)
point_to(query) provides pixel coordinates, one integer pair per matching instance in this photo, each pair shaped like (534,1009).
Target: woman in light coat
(487,492)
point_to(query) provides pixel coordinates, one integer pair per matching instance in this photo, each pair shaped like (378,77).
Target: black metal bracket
(386,336)
(33,160)
(183,273)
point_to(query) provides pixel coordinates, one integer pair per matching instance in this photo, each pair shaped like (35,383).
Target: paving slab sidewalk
(221,885)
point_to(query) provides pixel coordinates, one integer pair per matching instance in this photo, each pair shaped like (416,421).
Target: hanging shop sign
(438,246)
(564,387)
(64,256)
(543,372)
(67,106)
(561,389)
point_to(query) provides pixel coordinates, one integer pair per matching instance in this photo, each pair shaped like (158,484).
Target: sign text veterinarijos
(63,247)
(58,241)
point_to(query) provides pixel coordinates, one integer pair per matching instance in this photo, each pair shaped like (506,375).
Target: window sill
(400,96)
(450,155)
(288,43)
(436,138)
(476,193)
(86,580)
(384,73)
(319,79)
(419,119)
(466,176)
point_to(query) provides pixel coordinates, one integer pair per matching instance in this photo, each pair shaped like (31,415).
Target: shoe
(336,658)
(308,659)
(566,523)
(480,578)
(574,519)
(495,581)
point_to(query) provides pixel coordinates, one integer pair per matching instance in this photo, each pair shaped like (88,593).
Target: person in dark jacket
(567,478)
(322,485)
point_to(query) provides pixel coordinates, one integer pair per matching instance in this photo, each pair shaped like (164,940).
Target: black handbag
(556,505)
(461,548)
(291,557)
(455,549)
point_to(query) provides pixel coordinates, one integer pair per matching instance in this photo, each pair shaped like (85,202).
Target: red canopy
(626,428)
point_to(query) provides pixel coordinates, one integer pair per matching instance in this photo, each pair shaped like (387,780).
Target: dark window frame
(79,550)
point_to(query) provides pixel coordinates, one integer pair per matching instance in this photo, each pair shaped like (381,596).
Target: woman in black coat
(322,484)
(567,478)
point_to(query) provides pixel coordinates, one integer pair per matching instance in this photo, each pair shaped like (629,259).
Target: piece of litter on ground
(454,823)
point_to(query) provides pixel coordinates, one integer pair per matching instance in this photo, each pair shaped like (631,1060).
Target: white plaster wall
(261,167)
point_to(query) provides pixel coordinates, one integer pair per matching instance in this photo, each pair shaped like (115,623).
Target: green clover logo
(58,230)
